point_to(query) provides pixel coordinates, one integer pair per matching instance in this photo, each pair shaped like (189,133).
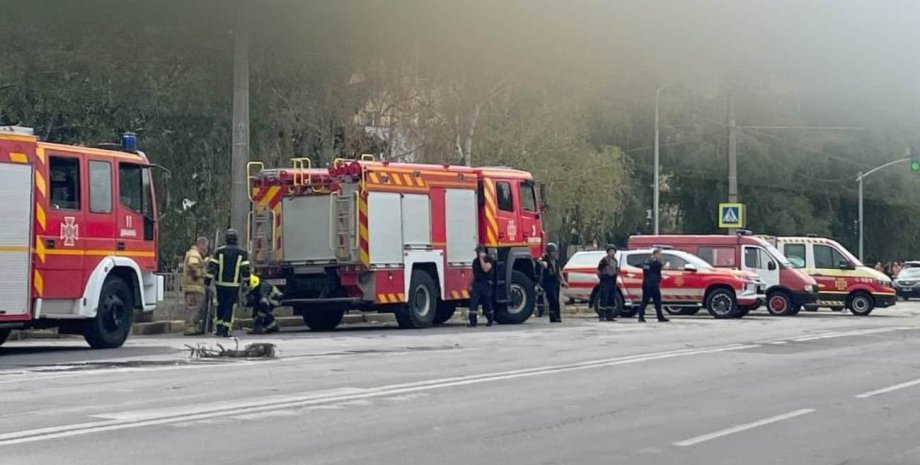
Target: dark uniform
(481,293)
(550,282)
(651,288)
(607,271)
(228,268)
(262,298)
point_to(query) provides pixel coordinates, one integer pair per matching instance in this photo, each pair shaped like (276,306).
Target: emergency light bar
(17,130)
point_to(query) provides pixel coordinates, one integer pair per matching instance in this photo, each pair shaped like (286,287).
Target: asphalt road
(821,388)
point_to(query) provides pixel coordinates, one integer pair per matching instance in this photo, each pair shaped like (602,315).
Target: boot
(473,320)
(194,330)
(608,315)
(601,314)
(663,319)
(490,319)
(273,328)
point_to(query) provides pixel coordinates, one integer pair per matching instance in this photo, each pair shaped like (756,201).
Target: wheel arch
(125,268)
(430,261)
(714,286)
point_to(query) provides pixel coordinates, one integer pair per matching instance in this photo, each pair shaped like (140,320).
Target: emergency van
(788,288)
(843,281)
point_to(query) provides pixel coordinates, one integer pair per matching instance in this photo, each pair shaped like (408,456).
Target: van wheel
(721,303)
(673,310)
(779,303)
(114,316)
(4,334)
(522,300)
(445,311)
(419,310)
(322,320)
(860,303)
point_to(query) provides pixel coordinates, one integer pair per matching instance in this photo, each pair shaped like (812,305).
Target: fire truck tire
(445,311)
(860,303)
(112,323)
(420,309)
(4,333)
(721,303)
(779,303)
(322,320)
(523,300)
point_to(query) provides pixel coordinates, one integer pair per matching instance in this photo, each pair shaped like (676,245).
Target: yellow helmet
(253,281)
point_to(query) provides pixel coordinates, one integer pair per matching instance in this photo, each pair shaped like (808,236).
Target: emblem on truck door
(512,230)
(70,231)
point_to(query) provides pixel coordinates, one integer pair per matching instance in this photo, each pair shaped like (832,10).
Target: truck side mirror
(771,265)
(542,193)
(845,265)
(690,267)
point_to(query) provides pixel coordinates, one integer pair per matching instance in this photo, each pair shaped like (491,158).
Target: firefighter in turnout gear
(228,268)
(607,271)
(551,281)
(481,292)
(194,268)
(262,298)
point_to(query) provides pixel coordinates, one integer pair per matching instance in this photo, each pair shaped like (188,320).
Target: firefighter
(228,268)
(651,286)
(551,281)
(607,271)
(481,292)
(262,298)
(194,267)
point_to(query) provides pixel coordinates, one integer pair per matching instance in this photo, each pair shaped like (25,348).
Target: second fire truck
(394,237)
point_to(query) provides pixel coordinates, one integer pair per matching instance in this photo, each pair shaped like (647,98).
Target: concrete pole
(860,180)
(657,186)
(732,158)
(239,200)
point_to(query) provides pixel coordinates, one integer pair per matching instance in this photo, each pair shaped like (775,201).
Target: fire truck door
(134,219)
(15,239)
(531,229)
(63,240)
(508,227)
(99,229)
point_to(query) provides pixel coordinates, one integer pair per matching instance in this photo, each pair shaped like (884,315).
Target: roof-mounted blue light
(129,142)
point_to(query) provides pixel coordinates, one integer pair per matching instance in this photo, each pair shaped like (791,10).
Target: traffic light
(915,163)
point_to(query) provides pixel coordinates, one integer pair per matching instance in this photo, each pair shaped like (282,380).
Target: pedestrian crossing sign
(731,215)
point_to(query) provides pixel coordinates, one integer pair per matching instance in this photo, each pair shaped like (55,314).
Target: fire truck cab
(78,237)
(394,237)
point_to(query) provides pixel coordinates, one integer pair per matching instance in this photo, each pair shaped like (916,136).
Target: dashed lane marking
(743,427)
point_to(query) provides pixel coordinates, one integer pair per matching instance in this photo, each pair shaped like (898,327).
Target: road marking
(744,427)
(135,419)
(888,389)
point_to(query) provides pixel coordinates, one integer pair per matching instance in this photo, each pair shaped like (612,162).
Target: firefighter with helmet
(607,271)
(227,269)
(262,298)
(551,281)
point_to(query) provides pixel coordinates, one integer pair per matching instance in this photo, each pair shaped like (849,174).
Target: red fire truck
(394,237)
(78,237)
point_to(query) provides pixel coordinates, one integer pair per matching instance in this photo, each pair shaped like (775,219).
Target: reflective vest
(229,266)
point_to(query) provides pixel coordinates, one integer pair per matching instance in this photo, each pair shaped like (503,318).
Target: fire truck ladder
(262,236)
(345,209)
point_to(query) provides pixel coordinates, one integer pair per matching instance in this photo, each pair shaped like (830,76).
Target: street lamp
(859,179)
(656,194)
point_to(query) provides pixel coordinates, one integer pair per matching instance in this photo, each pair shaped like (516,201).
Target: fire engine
(78,237)
(394,237)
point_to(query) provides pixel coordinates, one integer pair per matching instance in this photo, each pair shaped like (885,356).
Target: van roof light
(744,232)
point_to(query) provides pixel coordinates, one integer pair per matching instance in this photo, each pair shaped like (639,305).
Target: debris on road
(254,350)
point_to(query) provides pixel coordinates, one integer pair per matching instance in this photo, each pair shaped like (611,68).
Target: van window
(65,183)
(505,200)
(637,259)
(752,258)
(100,186)
(796,254)
(722,257)
(827,257)
(528,197)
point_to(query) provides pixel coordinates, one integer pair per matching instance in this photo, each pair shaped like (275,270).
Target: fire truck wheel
(522,301)
(4,333)
(112,323)
(779,303)
(445,311)
(721,303)
(322,319)
(860,303)
(419,311)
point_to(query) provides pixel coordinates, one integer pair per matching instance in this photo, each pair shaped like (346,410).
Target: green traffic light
(915,165)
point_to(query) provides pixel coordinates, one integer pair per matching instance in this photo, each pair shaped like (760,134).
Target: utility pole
(732,154)
(859,179)
(657,185)
(239,199)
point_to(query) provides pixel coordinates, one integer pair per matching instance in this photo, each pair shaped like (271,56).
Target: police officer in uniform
(262,298)
(651,286)
(607,271)
(481,292)
(228,268)
(551,281)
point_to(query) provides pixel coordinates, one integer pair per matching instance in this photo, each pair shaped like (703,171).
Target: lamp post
(859,179)
(656,194)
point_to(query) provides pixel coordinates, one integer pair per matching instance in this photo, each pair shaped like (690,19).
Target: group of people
(229,271)
(608,269)
(891,269)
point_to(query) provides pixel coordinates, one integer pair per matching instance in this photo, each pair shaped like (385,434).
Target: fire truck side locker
(15,240)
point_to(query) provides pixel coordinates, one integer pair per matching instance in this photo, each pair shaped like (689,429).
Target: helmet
(253,281)
(231,236)
(552,247)
(611,247)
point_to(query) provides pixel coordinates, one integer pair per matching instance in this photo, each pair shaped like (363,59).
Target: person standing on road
(651,286)
(607,271)
(230,267)
(194,268)
(481,292)
(551,281)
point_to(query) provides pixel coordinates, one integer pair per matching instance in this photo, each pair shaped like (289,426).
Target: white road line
(126,420)
(744,427)
(869,394)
